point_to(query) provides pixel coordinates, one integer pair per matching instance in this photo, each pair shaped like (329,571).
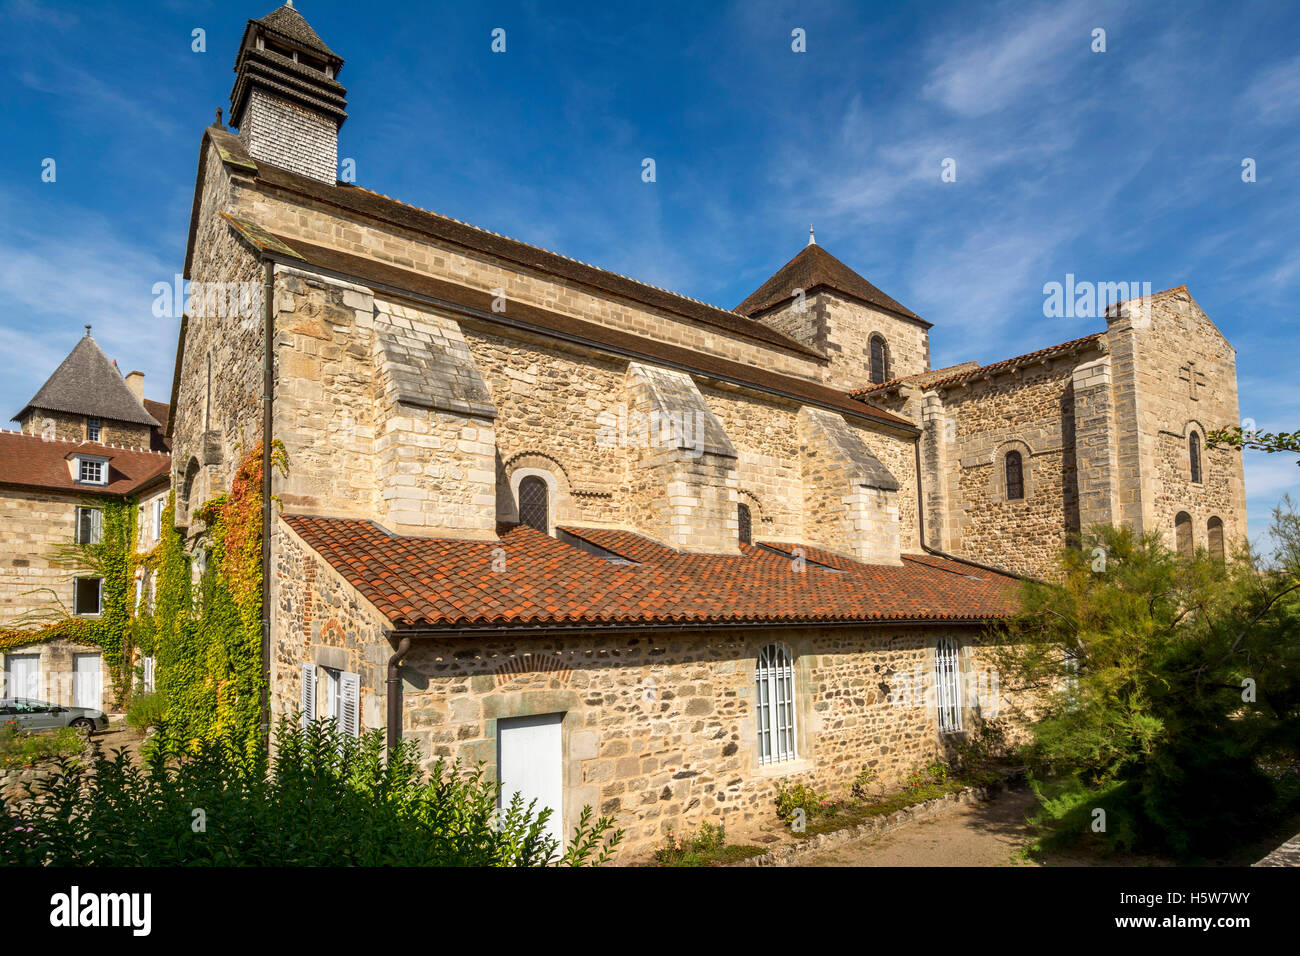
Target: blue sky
(1115,166)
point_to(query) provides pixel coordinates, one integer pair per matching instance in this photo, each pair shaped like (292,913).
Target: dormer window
(93,426)
(92,471)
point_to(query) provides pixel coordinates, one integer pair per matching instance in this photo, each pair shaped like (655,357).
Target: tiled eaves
(438,584)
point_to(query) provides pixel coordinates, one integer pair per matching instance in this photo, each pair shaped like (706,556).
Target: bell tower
(287,102)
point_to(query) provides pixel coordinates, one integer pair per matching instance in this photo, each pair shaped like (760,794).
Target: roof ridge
(549,252)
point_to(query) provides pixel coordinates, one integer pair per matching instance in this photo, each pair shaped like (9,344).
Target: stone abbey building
(630,550)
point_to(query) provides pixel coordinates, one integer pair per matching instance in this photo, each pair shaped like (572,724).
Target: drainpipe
(268,392)
(394,689)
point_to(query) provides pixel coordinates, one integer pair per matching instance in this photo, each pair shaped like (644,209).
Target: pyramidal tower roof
(88,383)
(289,23)
(815,268)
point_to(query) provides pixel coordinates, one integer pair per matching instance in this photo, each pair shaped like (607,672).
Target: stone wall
(659,730)
(35,523)
(69,427)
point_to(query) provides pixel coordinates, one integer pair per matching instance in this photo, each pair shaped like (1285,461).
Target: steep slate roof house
(87,436)
(630,549)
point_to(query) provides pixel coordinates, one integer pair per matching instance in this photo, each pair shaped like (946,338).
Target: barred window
(92,429)
(746,524)
(534,503)
(774,703)
(947,685)
(1015,476)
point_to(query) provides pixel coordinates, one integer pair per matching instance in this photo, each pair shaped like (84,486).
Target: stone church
(628,549)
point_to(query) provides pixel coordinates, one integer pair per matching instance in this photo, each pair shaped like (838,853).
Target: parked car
(31,714)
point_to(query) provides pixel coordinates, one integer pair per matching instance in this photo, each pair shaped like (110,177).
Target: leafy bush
(324,800)
(708,847)
(146,710)
(20,748)
(797,796)
(863,783)
(1162,689)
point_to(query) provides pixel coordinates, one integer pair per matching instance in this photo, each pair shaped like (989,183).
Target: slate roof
(371,272)
(815,268)
(359,201)
(419,582)
(30,461)
(88,383)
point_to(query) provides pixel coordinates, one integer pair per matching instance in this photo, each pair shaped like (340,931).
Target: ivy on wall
(113,559)
(205,636)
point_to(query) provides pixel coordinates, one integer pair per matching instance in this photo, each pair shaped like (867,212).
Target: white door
(86,682)
(22,675)
(530,761)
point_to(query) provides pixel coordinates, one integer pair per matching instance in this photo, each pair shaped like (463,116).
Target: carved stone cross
(1192,377)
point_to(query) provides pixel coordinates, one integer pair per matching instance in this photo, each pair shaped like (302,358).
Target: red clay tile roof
(440,582)
(33,462)
(815,268)
(979,371)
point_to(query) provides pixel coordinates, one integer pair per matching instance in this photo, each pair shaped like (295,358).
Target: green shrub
(863,783)
(707,848)
(21,748)
(146,710)
(324,800)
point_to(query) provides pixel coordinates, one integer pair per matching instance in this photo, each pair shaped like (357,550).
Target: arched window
(1214,532)
(1194,456)
(746,524)
(1183,534)
(535,503)
(947,685)
(774,704)
(1015,476)
(879,360)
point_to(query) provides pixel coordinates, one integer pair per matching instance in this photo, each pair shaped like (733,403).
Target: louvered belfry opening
(534,504)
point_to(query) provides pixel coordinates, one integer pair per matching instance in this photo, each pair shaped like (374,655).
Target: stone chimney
(287,102)
(135,382)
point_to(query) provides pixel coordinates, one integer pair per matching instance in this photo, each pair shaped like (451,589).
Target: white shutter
(308,693)
(149,674)
(350,704)
(96,525)
(157,518)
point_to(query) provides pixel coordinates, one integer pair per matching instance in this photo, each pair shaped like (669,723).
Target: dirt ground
(982,834)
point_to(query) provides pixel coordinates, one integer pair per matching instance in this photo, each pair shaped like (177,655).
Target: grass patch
(19,748)
(708,847)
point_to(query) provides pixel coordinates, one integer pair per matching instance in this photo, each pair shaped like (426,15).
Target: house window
(534,503)
(947,685)
(746,524)
(149,667)
(1194,456)
(1183,534)
(1214,532)
(879,360)
(774,703)
(86,595)
(92,429)
(90,525)
(340,701)
(92,471)
(157,518)
(1015,474)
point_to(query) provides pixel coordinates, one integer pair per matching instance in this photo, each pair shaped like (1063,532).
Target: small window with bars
(774,704)
(947,685)
(93,426)
(1015,474)
(535,503)
(746,524)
